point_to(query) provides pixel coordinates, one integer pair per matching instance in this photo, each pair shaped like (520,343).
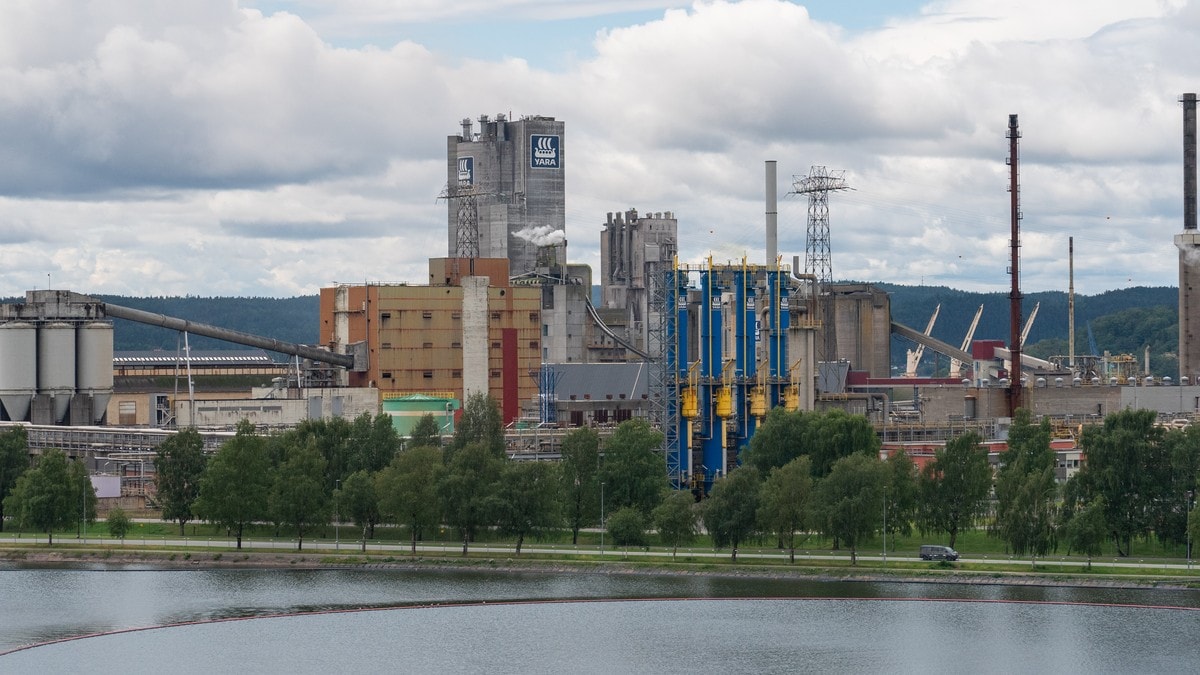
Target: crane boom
(1029,323)
(913,356)
(955,364)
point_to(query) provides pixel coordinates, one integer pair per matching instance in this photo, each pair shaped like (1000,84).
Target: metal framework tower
(662,386)
(467,233)
(817,260)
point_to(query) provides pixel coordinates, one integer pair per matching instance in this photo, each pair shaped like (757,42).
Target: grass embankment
(206,545)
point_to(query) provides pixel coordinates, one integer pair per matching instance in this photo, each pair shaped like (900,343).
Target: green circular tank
(407,409)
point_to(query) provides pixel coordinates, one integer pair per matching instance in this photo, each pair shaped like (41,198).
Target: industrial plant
(701,350)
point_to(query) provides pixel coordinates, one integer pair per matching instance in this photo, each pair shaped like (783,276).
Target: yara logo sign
(543,152)
(466,169)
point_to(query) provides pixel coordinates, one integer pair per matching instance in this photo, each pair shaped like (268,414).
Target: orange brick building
(467,331)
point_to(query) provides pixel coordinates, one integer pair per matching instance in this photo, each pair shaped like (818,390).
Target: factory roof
(600,380)
(210,357)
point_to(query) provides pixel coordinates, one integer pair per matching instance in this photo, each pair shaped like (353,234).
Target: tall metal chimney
(1071,304)
(1014,297)
(1188,243)
(1189,161)
(772,218)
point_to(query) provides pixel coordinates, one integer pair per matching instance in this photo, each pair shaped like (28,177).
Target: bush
(118,523)
(627,527)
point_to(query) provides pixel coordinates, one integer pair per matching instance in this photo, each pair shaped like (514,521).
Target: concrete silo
(93,371)
(55,371)
(18,368)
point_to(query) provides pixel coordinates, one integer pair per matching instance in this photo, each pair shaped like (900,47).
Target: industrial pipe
(314,353)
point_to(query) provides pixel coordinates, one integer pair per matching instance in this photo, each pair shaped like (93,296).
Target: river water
(415,624)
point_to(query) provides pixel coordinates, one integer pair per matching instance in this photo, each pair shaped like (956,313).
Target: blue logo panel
(544,152)
(466,170)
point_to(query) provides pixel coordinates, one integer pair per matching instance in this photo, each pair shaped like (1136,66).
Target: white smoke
(542,235)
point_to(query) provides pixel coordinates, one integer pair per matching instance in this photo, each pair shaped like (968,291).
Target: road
(331,547)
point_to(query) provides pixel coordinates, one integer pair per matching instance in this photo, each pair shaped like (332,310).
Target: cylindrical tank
(690,408)
(18,367)
(758,401)
(724,402)
(791,398)
(94,364)
(56,364)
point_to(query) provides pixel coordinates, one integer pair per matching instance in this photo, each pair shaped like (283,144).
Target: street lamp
(337,515)
(1189,494)
(602,528)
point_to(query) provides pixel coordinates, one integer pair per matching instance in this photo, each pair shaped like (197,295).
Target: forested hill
(1122,321)
(287,319)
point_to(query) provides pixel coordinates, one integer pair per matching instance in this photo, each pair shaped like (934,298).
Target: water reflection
(42,604)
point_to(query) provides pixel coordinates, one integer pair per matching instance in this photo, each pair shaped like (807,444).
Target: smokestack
(1189,161)
(1014,297)
(1071,303)
(1188,243)
(772,218)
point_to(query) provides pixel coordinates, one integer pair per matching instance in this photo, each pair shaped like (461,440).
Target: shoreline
(142,560)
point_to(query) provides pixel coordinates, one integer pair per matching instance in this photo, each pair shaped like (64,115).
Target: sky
(272,148)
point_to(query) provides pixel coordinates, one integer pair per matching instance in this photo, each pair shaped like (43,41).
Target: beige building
(468,331)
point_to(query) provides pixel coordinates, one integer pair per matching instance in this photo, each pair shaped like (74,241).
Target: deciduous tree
(480,424)
(178,465)
(408,490)
(633,472)
(850,500)
(675,519)
(786,501)
(902,495)
(426,433)
(730,512)
(580,478)
(236,482)
(358,499)
(373,442)
(627,527)
(954,486)
(467,490)
(1026,492)
(297,495)
(118,523)
(47,497)
(14,461)
(527,500)
(1126,465)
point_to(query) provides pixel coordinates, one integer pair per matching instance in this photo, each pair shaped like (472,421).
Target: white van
(931,552)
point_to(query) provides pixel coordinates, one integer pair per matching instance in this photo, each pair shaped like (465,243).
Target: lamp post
(602,527)
(885,531)
(1189,494)
(337,515)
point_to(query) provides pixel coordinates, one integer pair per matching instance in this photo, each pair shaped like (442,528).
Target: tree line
(802,473)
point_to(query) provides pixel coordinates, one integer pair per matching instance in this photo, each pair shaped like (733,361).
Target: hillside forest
(1122,321)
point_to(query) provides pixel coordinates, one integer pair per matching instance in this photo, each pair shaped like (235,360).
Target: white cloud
(208,148)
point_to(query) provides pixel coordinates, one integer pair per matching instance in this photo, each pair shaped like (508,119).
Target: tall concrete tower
(1188,244)
(505,190)
(635,250)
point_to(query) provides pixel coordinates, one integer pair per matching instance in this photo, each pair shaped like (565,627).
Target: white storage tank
(56,365)
(94,364)
(18,367)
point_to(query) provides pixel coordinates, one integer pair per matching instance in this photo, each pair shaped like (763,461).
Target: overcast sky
(261,148)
